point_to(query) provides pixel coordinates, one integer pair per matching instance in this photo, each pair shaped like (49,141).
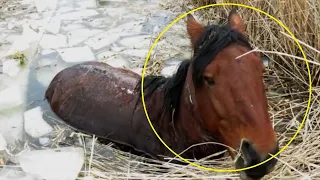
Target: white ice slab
(77,54)
(136,52)
(143,41)
(11,125)
(53,26)
(45,5)
(49,41)
(79,14)
(168,71)
(26,43)
(3,142)
(117,61)
(53,164)
(34,124)
(11,67)
(77,36)
(10,97)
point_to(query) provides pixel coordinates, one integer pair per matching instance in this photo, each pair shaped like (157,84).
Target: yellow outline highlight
(226,4)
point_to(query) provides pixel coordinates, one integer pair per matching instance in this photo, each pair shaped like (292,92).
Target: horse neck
(189,118)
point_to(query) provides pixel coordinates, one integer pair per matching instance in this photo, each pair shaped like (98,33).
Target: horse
(218,95)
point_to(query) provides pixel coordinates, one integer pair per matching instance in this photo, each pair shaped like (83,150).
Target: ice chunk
(10,97)
(11,67)
(46,74)
(53,164)
(53,26)
(27,43)
(79,14)
(168,71)
(45,5)
(3,143)
(118,62)
(11,125)
(77,54)
(142,41)
(49,41)
(34,124)
(13,174)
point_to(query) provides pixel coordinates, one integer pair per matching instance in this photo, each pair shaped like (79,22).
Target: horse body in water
(213,97)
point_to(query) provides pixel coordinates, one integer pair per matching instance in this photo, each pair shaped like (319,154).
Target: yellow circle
(226,4)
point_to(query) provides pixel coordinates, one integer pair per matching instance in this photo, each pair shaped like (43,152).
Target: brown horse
(215,96)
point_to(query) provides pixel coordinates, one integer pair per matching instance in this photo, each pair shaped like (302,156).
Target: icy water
(60,34)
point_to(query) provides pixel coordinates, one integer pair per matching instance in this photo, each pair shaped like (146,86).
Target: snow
(34,124)
(53,164)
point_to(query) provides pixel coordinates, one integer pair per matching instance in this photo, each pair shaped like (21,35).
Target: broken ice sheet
(76,54)
(10,97)
(45,5)
(168,71)
(53,164)
(34,124)
(49,41)
(11,67)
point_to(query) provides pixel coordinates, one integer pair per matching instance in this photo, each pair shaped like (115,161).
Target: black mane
(211,42)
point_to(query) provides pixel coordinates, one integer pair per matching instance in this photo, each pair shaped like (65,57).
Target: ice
(3,142)
(117,62)
(77,36)
(53,26)
(11,125)
(44,140)
(79,14)
(168,71)
(13,174)
(46,74)
(34,124)
(143,41)
(11,67)
(53,164)
(10,97)
(49,41)
(27,43)
(77,54)
(45,5)
(136,52)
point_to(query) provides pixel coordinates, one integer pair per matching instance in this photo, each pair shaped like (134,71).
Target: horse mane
(211,42)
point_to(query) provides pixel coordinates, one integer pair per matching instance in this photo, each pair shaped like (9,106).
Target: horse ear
(236,22)
(194,28)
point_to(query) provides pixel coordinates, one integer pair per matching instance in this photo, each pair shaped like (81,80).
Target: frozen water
(49,41)
(77,54)
(45,5)
(3,142)
(11,125)
(143,41)
(11,67)
(13,174)
(118,62)
(34,124)
(168,71)
(53,164)
(10,97)
(77,36)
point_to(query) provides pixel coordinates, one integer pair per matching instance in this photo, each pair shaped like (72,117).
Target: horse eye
(210,81)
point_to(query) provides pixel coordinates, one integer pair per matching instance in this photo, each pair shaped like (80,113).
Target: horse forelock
(212,41)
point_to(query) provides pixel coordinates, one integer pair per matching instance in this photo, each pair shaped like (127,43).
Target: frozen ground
(54,35)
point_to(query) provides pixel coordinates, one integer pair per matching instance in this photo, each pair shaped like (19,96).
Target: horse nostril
(249,154)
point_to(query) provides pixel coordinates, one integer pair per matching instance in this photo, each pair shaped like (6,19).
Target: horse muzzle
(250,157)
